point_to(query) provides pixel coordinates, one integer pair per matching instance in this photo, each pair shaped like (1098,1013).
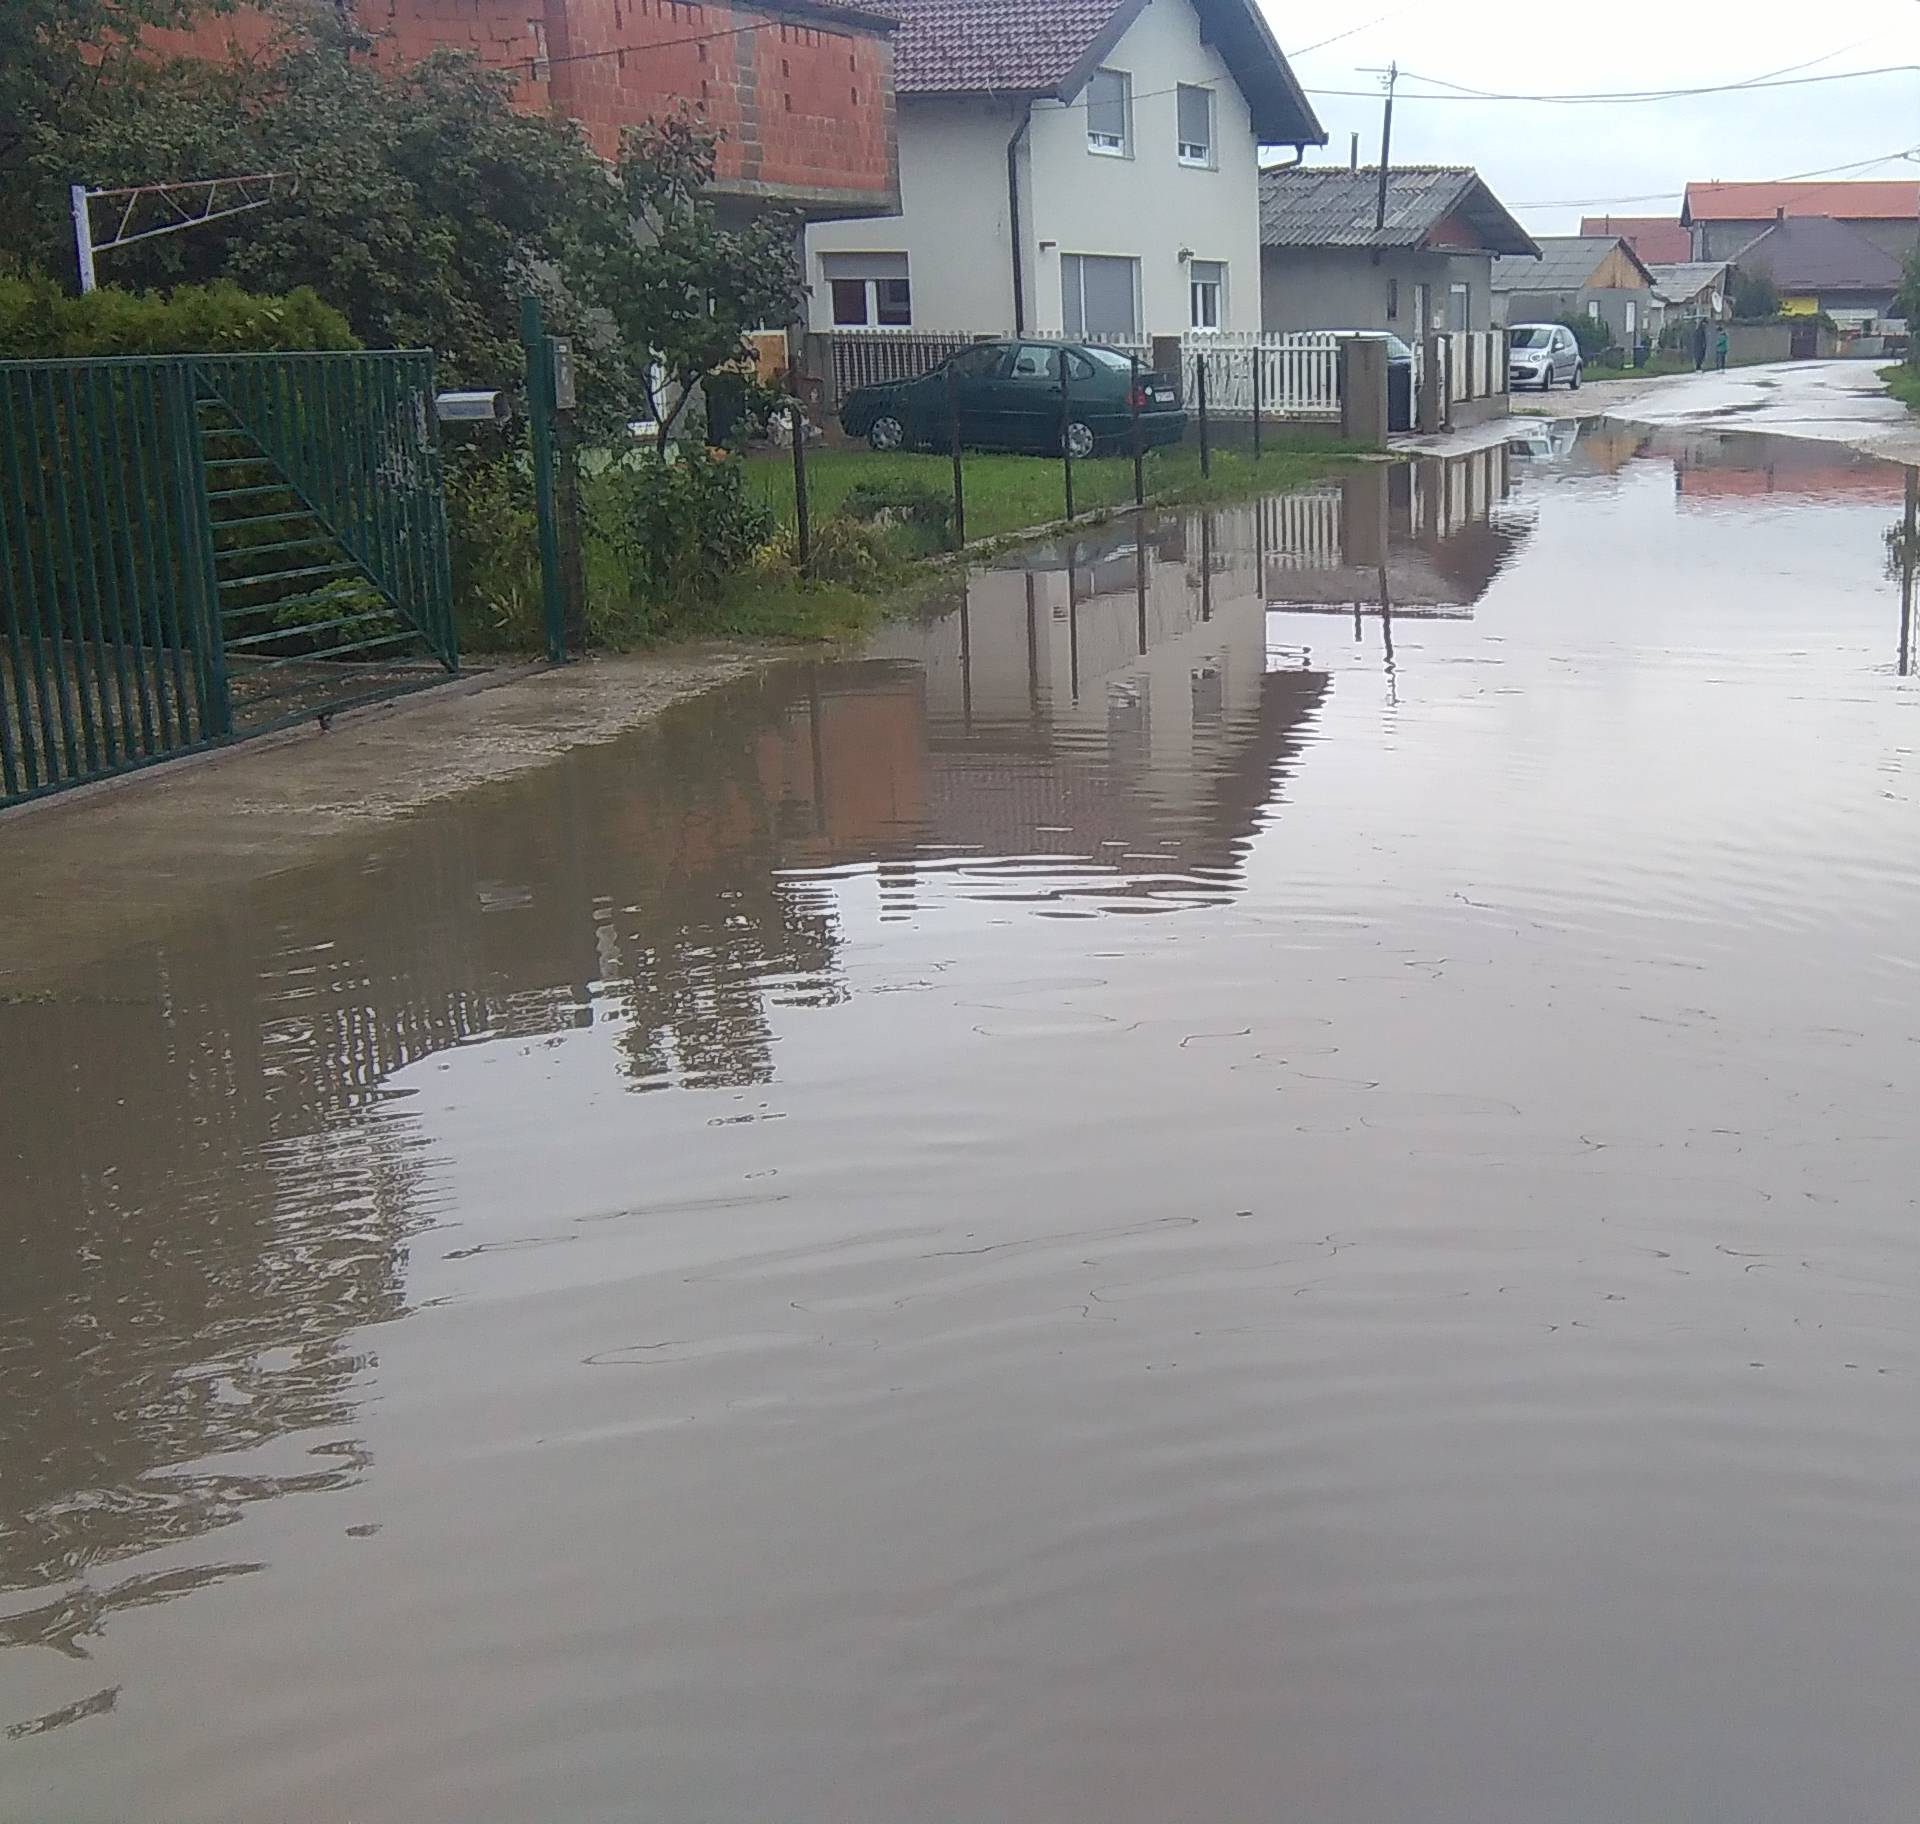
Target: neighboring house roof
(1872,201)
(1811,253)
(1685,279)
(1566,263)
(1333,206)
(1048,48)
(1658,240)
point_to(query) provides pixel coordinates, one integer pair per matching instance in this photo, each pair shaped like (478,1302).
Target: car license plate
(1162,398)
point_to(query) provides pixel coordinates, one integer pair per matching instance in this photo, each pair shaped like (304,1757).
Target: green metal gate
(197,548)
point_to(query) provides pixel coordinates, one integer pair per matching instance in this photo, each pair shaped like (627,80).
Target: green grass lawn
(1007,494)
(1667,361)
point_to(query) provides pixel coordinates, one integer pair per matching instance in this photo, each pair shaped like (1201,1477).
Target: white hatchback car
(1542,355)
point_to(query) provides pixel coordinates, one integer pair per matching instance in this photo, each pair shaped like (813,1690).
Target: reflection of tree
(188,1247)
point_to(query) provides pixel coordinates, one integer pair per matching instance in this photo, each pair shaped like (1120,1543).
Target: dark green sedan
(1008,398)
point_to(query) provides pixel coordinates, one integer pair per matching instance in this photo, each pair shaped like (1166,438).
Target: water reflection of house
(1722,467)
(1107,700)
(1424,539)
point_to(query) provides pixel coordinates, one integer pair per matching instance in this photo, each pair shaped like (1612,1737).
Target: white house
(1078,167)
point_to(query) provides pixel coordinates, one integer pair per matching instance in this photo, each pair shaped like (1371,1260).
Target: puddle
(1266,1170)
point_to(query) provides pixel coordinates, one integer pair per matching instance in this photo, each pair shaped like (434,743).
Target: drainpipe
(1013,217)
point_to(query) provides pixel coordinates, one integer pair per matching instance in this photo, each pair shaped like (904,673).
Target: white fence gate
(1291,376)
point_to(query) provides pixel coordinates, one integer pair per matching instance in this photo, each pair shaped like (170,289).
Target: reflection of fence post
(1066,444)
(953,437)
(803,525)
(540,409)
(1139,448)
(1200,399)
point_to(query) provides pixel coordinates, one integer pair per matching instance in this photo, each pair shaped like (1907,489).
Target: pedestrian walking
(1699,343)
(1720,352)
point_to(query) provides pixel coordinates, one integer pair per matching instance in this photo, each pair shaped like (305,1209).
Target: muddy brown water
(1174,1196)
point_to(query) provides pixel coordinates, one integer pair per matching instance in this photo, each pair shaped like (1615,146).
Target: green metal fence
(197,548)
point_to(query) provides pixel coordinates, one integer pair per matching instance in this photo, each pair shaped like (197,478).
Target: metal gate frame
(199,548)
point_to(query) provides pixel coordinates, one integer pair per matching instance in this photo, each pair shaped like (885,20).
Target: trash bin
(1399,395)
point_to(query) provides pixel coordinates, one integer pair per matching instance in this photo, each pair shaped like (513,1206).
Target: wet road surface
(1265,1170)
(1837,401)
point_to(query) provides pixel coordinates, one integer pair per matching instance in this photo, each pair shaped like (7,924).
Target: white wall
(953,197)
(953,221)
(1149,205)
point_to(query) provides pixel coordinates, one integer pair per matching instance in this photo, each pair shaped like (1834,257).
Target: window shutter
(1196,121)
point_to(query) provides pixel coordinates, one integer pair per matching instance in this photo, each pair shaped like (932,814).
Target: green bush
(674,530)
(494,546)
(40,322)
(1594,337)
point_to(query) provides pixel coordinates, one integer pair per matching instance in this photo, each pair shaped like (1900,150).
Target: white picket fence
(1290,376)
(1476,364)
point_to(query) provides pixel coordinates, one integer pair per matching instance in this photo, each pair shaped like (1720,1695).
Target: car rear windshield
(1105,357)
(1531,338)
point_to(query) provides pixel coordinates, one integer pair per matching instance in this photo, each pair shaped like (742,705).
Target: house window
(1459,307)
(1100,295)
(1195,110)
(1110,113)
(1207,291)
(868,289)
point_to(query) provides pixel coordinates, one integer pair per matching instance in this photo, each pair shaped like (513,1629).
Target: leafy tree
(1754,293)
(426,203)
(687,287)
(66,67)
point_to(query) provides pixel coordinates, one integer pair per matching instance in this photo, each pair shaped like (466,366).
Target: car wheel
(886,433)
(1080,440)
(1576,377)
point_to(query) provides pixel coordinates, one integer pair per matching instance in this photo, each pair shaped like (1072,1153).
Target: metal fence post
(1259,388)
(1139,452)
(553,589)
(1066,450)
(953,437)
(802,517)
(1200,397)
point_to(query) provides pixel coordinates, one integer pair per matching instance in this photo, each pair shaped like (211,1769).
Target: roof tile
(1854,201)
(1335,206)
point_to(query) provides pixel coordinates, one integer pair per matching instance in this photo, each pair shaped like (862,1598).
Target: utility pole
(1386,148)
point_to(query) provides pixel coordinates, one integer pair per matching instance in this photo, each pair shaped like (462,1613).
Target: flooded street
(1264,1169)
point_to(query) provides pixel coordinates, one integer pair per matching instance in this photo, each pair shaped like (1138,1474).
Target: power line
(1623,96)
(1352,31)
(1663,196)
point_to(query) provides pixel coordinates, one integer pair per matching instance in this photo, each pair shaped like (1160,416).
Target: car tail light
(1138,399)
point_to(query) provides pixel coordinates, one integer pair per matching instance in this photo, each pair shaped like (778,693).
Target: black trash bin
(1399,395)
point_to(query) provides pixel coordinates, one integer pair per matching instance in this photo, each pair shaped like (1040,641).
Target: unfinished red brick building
(801,92)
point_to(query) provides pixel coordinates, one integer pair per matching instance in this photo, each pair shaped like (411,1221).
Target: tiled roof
(965,46)
(1566,263)
(1048,48)
(1658,240)
(1334,206)
(1813,253)
(1874,201)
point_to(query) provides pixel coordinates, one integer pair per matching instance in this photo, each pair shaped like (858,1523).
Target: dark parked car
(1008,397)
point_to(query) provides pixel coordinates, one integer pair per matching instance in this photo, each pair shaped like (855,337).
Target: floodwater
(1268,1172)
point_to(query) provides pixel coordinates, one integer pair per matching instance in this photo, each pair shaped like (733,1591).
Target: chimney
(1353,155)
(1779,212)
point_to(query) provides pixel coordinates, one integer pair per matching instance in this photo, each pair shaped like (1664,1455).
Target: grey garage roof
(1333,206)
(1566,263)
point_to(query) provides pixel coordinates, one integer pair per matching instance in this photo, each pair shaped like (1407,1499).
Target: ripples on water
(1278,1183)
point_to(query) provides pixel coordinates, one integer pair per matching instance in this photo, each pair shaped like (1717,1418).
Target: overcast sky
(1550,164)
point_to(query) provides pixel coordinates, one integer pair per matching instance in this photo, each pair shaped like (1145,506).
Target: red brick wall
(804,107)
